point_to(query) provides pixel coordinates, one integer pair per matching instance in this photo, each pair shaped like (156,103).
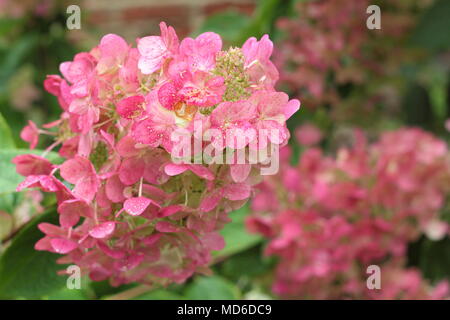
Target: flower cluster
(329,47)
(127,211)
(328,219)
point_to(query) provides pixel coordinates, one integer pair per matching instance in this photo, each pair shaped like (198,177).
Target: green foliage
(220,23)
(211,288)
(435,259)
(237,239)
(433,30)
(6,138)
(15,56)
(26,272)
(160,294)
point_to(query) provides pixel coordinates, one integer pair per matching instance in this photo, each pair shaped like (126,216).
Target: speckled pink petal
(63,246)
(168,95)
(136,206)
(130,107)
(103,230)
(152,50)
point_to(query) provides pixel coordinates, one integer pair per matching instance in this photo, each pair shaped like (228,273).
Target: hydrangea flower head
(128,211)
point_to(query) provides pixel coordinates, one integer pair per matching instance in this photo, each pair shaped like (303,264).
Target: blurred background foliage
(34,41)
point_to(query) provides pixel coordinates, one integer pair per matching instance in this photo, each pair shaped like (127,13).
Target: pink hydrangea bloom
(128,212)
(329,218)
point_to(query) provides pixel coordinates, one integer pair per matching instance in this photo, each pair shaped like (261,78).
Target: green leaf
(6,224)
(237,238)
(220,23)
(6,138)
(67,294)
(250,263)
(434,260)
(159,294)
(15,57)
(212,288)
(26,272)
(9,178)
(432,32)
(264,19)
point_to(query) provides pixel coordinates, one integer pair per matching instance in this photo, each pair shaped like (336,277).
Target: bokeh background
(347,77)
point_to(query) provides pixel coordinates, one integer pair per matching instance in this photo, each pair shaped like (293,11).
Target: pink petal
(136,206)
(213,241)
(173,169)
(63,246)
(116,254)
(131,170)
(114,189)
(170,210)
(168,95)
(29,164)
(30,134)
(152,50)
(292,107)
(240,172)
(75,169)
(103,230)
(164,226)
(126,147)
(201,171)
(237,191)
(210,201)
(152,239)
(52,84)
(130,107)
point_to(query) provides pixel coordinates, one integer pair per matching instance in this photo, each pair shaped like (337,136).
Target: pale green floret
(230,66)
(99,155)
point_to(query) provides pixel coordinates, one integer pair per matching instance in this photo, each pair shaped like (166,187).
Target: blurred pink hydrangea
(328,219)
(328,46)
(127,211)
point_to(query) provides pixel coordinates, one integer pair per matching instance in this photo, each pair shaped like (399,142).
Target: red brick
(176,16)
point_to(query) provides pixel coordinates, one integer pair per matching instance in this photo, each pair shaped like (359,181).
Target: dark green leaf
(237,238)
(211,288)
(433,30)
(434,259)
(6,138)
(159,294)
(26,272)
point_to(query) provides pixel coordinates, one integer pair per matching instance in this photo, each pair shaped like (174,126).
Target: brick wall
(137,18)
